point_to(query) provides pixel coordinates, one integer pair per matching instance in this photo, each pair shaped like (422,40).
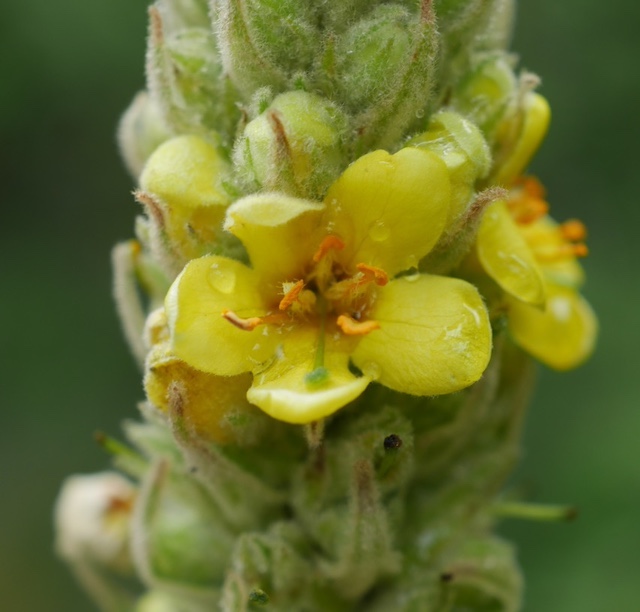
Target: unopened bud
(370,54)
(485,93)
(142,129)
(92,517)
(183,190)
(295,146)
(184,75)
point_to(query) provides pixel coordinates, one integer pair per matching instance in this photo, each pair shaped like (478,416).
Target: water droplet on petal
(222,279)
(372,370)
(379,232)
(413,275)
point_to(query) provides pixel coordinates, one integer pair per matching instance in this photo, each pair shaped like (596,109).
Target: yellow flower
(210,407)
(324,291)
(534,260)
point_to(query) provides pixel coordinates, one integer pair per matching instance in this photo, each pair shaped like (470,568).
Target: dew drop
(221,279)
(379,232)
(372,370)
(412,275)
(420,113)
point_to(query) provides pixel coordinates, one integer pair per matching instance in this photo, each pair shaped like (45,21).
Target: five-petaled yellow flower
(326,292)
(534,260)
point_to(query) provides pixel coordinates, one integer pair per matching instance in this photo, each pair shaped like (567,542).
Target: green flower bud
(184,74)
(181,14)
(406,94)
(460,144)
(295,146)
(181,536)
(263,43)
(371,54)
(141,130)
(485,93)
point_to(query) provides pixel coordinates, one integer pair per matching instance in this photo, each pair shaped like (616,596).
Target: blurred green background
(68,70)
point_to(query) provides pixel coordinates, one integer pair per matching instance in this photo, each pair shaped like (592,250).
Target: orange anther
(291,295)
(580,249)
(573,230)
(527,209)
(351,327)
(245,324)
(532,187)
(371,273)
(329,243)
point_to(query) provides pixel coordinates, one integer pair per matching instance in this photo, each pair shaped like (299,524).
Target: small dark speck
(392,442)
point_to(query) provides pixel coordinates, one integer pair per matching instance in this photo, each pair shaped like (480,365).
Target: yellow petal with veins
(199,334)
(390,209)
(562,335)
(277,231)
(294,390)
(434,336)
(506,256)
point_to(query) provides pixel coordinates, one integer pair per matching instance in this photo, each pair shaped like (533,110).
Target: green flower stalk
(339,279)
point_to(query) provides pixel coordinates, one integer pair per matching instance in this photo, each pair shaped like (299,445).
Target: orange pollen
(573,230)
(119,504)
(373,274)
(245,324)
(329,243)
(291,296)
(351,327)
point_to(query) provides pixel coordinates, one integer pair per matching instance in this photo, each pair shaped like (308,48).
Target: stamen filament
(245,324)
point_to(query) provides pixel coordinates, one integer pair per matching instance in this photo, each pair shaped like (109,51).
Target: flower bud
(485,93)
(295,146)
(141,130)
(184,75)
(370,54)
(183,190)
(519,136)
(460,144)
(180,535)
(181,14)
(92,517)
(263,43)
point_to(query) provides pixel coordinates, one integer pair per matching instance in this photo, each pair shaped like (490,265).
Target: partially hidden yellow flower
(210,407)
(323,294)
(534,260)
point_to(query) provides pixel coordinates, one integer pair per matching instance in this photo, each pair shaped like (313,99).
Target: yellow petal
(434,336)
(390,209)
(535,123)
(292,389)
(209,404)
(199,334)
(277,231)
(562,335)
(506,256)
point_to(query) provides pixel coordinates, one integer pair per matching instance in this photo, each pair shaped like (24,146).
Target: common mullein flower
(333,232)
(534,259)
(322,291)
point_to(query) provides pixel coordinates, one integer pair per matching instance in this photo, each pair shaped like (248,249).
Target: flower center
(549,244)
(327,292)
